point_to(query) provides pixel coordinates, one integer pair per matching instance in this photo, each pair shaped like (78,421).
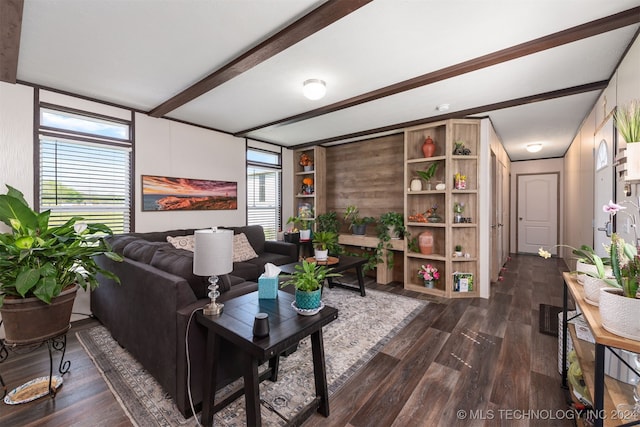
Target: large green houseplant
(39,262)
(390,226)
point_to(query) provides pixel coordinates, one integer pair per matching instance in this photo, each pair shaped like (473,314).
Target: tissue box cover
(267,287)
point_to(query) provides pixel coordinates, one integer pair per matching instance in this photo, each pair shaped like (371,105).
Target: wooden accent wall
(368,174)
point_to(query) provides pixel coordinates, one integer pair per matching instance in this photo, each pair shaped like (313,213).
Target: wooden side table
(235,325)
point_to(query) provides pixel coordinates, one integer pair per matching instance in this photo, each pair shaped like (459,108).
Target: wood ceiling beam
(545,96)
(590,29)
(314,21)
(10,28)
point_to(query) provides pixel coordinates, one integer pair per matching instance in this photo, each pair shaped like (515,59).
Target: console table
(287,328)
(383,274)
(606,393)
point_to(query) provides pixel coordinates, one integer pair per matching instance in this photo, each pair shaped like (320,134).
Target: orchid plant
(428,272)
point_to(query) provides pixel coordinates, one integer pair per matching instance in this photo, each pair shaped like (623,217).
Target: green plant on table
(38,260)
(308,276)
(300,223)
(323,240)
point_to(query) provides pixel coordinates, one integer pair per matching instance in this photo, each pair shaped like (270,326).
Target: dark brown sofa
(149,311)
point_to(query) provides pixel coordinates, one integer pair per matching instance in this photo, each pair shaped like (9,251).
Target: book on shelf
(462,282)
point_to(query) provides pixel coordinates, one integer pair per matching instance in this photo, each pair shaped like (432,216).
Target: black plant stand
(58,343)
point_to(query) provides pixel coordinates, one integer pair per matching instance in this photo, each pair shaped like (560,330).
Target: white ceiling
(140,53)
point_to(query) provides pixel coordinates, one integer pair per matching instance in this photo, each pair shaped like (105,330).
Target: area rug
(363,327)
(548,320)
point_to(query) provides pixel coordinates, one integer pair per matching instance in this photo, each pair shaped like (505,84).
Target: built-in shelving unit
(316,199)
(449,231)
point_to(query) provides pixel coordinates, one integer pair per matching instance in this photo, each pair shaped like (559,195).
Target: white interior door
(537,212)
(604,186)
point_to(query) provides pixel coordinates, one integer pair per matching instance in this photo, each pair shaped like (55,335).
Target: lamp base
(213,309)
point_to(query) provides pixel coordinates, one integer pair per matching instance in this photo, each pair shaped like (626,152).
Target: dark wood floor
(457,356)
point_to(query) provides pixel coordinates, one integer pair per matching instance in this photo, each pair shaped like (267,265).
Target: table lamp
(213,256)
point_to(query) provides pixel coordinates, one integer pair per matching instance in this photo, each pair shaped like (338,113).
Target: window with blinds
(263,191)
(85,169)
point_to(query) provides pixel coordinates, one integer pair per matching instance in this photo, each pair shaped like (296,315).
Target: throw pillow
(183,242)
(242,250)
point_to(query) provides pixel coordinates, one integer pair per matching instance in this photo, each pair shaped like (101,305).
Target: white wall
(533,167)
(168,148)
(16,138)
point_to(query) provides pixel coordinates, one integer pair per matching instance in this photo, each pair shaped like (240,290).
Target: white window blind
(90,180)
(264,203)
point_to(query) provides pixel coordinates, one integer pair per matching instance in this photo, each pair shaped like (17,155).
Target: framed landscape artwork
(163,193)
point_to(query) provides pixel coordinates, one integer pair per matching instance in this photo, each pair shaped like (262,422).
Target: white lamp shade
(213,253)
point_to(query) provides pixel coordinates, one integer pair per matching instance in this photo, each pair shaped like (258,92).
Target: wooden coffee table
(344,263)
(286,328)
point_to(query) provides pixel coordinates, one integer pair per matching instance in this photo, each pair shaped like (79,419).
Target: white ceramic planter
(592,288)
(619,314)
(633,162)
(305,234)
(321,255)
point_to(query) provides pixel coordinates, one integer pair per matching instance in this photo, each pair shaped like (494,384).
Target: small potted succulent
(308,279)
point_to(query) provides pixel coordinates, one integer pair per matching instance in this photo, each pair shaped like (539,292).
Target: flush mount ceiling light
(534,148)
(442,107)
(314,89)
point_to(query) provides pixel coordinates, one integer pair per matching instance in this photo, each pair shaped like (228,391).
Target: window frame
(71,135)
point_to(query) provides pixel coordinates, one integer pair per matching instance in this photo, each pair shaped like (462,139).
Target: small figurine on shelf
(460,181)
(307,185)
(306,162)
(460,150)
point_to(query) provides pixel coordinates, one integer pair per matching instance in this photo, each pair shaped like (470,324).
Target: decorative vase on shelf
(425,242)
(308,168)
(429,147)
(429,284)
(416,184)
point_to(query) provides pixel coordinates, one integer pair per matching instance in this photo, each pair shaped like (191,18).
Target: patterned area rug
(363,327)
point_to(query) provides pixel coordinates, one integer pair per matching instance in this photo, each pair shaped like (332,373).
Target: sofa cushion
(119,241)
(143,251)
(187,243)
(180,263)
(247,270)
(255,236)
(242,250)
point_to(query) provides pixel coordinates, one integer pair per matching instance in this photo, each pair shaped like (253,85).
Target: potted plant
(458,210)
(428,174)
(308,279)
(627,119)
(306,162)
(302,225)
(41,268)
(390,226)
(322,241)
(429,274)
(619,306)
(357,224)
(329,222)
(458,251)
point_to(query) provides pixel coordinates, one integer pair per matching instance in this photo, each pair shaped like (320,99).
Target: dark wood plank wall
(368,174)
